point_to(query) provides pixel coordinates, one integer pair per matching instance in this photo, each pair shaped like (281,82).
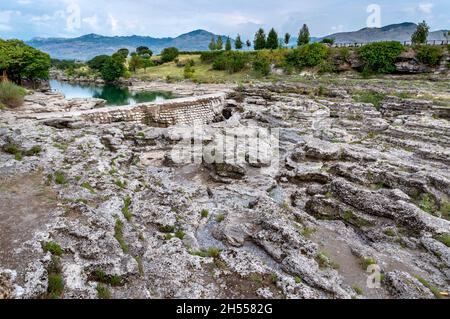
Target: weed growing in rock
(432,288)
(103,292)
(60,178)
(55,286)
(180,234)
(365,262)
(220,218)
(204,213)
(445,239)
(87,186)
(53,248)
(126,208)
(118,234)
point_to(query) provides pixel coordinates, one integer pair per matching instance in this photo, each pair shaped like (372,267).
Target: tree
(212,45)
(228,44)
(97,62)
(248,43)
(328,41)
(143,51)
(169,54)
(303,36)
(113,68)
(136,62)
(124,52)
(272,40)
(421,34)
(238,43)
(260,40)
(23,62)
(287,39)
(219,44)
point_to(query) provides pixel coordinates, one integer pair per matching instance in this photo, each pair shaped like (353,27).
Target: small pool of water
(114,95)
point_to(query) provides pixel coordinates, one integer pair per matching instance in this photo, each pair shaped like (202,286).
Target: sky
(26,19)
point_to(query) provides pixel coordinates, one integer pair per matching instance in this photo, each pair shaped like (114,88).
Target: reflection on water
(114,95)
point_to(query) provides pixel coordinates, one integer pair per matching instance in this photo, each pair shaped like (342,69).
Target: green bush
(210,57)
(11,95)
(231,61)
(379,57)
(308,55)
(262,66)
(169,54)
(429,55)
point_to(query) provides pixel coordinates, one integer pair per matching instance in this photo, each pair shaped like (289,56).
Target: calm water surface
(114,95)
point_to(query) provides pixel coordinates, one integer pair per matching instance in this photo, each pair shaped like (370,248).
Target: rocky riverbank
(97,211)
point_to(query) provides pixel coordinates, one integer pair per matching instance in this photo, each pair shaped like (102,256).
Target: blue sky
(25,19)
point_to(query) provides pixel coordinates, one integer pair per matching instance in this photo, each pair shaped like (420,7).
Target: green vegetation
(379,57)
(272,40)
(431,287)
(169,54)
(307,232)
(87,186)
(103,292)
(60,178)
(211,252)
(204,213)
(18,152)
(298,280)
(23,62)
(428,204)
(365,262)
(53,248)
(303,36)
(121,184)
(101,276)
(55,287)
(390,232)
(308,55)
(113,68)
(118,234)
(429,55)
(260,40)
(231,61)
(126,208)
(11,95)
(324,261)
(220,218)
(238,43)
(351,218)
(180,234)
(421,34)
(372,97)
(445,239)
(358,290)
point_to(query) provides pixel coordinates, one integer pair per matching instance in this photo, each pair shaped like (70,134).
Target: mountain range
(90,45)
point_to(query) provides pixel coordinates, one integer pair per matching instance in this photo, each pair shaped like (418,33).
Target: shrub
(53,248)
(189,71)
(308,55)
(103,292)
(379,57)
(204,213)
(11,95)
(262,66)
(210,57)
(55,285)
(60,178)
(231,61)
(169,54)
(429,55)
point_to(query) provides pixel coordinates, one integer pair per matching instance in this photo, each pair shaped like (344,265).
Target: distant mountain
(394,32)
(90,45)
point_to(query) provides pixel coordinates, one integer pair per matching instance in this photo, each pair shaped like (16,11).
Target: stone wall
(192,110)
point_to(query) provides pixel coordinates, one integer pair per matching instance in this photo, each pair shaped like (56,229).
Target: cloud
(425,8)
(5,19)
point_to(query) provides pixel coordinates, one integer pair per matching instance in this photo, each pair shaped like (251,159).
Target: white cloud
(5,19)
(425,8)
(92,22)
(337,28)
(113,22)
(24,2)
